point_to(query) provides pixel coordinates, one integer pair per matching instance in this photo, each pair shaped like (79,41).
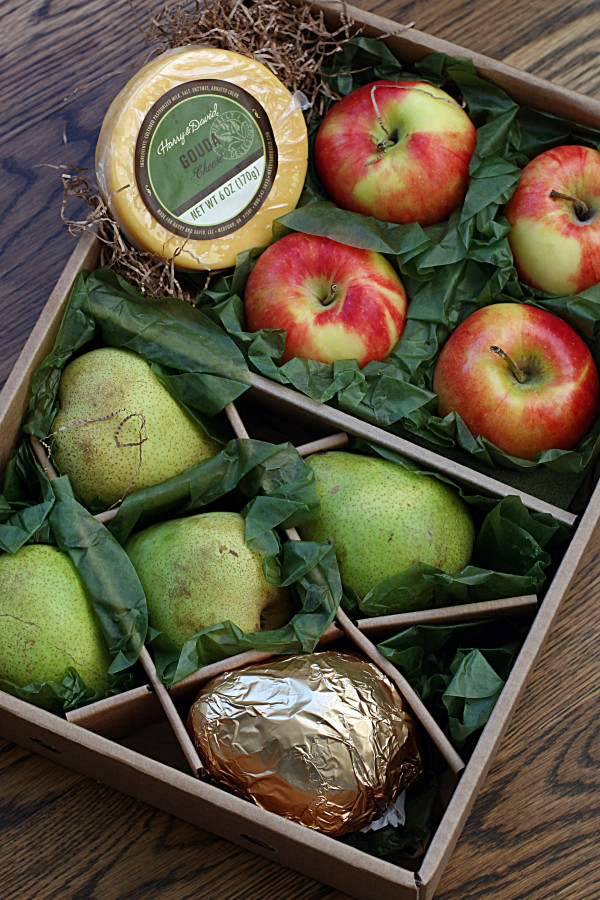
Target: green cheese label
(205,158)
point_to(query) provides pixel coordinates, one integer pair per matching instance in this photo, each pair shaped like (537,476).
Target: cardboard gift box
(112,740)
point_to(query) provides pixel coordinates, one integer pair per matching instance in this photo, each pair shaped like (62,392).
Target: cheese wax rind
(197,155)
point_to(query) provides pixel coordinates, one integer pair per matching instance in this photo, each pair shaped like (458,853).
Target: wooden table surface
(534,828)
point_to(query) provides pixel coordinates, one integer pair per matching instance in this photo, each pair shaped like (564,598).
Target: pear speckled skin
(47,623)
(101,383)
(381,518)
(198,571)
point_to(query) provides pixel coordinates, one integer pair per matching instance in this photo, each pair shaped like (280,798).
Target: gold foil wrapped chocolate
(322,739)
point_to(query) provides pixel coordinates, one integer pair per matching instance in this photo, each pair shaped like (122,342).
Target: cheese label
(205,158)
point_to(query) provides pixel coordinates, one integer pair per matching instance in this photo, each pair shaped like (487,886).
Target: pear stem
(516,371)
(580,206)
(328,300)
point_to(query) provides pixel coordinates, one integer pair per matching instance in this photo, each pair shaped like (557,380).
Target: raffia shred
(294,42)
(143,437)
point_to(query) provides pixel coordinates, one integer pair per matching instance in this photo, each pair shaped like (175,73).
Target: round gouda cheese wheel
(199,153)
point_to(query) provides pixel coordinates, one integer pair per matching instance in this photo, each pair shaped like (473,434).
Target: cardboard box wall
(179,793)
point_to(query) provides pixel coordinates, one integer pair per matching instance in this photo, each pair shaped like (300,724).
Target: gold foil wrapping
(322,739)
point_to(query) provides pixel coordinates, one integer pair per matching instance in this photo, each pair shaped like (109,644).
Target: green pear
(102,458)
(197,571)
(381,518)
(48,623)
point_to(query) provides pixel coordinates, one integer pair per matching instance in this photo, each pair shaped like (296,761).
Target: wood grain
(533,831)
(48,52)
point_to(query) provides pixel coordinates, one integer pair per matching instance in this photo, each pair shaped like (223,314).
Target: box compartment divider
(279,397)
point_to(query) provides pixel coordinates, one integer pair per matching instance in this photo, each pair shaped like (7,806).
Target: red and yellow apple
(333,301)
(520,377)
(554,216)
(399,151)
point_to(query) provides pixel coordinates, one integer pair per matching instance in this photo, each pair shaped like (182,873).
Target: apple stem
(328,300)
(581,208)
(516,371)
